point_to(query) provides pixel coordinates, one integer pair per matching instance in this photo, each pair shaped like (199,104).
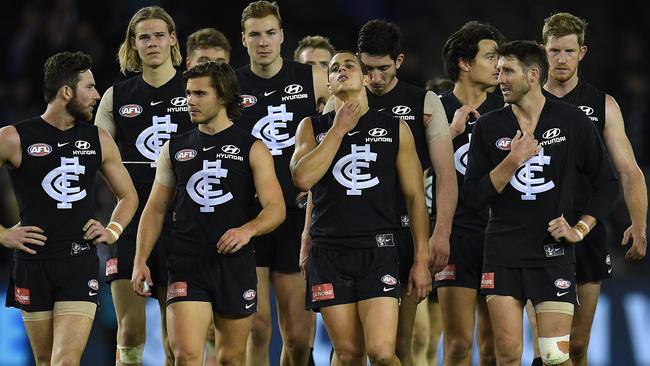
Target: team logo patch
(185,155)
(248,101)
(249,295)
(21,295)
(447,273)
(176,289)
(487,280)
(76,248)
(553,250)
(504,143)
(385,240)
(39,149)
(320,137)
(389,280)
(93,284)
(322,292)
(404,219)
(562,284)
(130,110)
(111,266)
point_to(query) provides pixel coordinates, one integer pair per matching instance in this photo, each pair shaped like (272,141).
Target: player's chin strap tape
(554,350)
(130,355)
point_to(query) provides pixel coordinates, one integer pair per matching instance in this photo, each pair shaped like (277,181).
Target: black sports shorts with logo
(593,263)
(536,284)
(228,282)
(465,261)
(345,275)
(280,249)
(36,285)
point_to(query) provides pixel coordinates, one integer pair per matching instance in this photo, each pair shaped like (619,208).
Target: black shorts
(593,263)
(120,263)
(536,284)
(228,282)
(465,261)
(37,285)
(280,249)
(345,276)
(405,252)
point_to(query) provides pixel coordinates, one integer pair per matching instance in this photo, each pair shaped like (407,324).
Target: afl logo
(551,133)
(389,280)
(179,101)
(130,110)
(230,149)
(588,110)
(249,295)
(39,149)
(504,143)
(377,132)
(562,284)
(293,89)
(401,110)
(185,155)
(93,284)
(82,145)
(248,101)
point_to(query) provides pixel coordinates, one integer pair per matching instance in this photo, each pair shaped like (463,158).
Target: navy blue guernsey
(465,217)
(272,110)
(145,118)
(541,189)
(592,102)
(355,199)
(55,185)
(214,188)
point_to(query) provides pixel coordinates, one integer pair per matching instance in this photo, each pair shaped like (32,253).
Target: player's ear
(583,52)
(398,60)
(463,64)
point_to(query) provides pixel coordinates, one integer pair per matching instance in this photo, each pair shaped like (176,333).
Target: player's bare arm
(270,196)
(104,116)
(410,177)
(17,236)
(151,221)
(631,176)
(305,237)
(523,147)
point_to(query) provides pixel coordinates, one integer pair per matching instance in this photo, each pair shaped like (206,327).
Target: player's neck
(561,88)
(267,71)
(361,96)
(469,94)
(57,116)
(216,125)
(160,75)
(529,108)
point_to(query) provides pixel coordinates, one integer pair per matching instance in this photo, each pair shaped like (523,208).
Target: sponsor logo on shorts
(249,295)
(447,273)
(406,222)
(553,250)
(389,280)
(22,296)
(504,143)
(76,248)
(176,289)
(248,306)
(322,292)
(386,289)
(560,293)
(39,149)
(93,284)
(562,284)
(487,280)
(111,266)
(385,240)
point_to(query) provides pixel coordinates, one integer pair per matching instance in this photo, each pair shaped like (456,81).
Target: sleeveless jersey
(355,199)
(214,188)
(272,110)
(55,185)
(592,102)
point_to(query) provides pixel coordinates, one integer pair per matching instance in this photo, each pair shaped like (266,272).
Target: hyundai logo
(230,149)
(377,132)
(401,110)
(179,101)
(293,89)
(82,145)
(588,110)
(551,133)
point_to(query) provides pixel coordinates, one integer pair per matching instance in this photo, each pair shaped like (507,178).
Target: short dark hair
(313,42)
(223,80)
(207,38)
(364,69)
(63,69)
(463,44)
(380,38)
(529,54)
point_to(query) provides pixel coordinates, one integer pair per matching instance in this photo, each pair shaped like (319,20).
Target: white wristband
(579,234)
(115,235)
